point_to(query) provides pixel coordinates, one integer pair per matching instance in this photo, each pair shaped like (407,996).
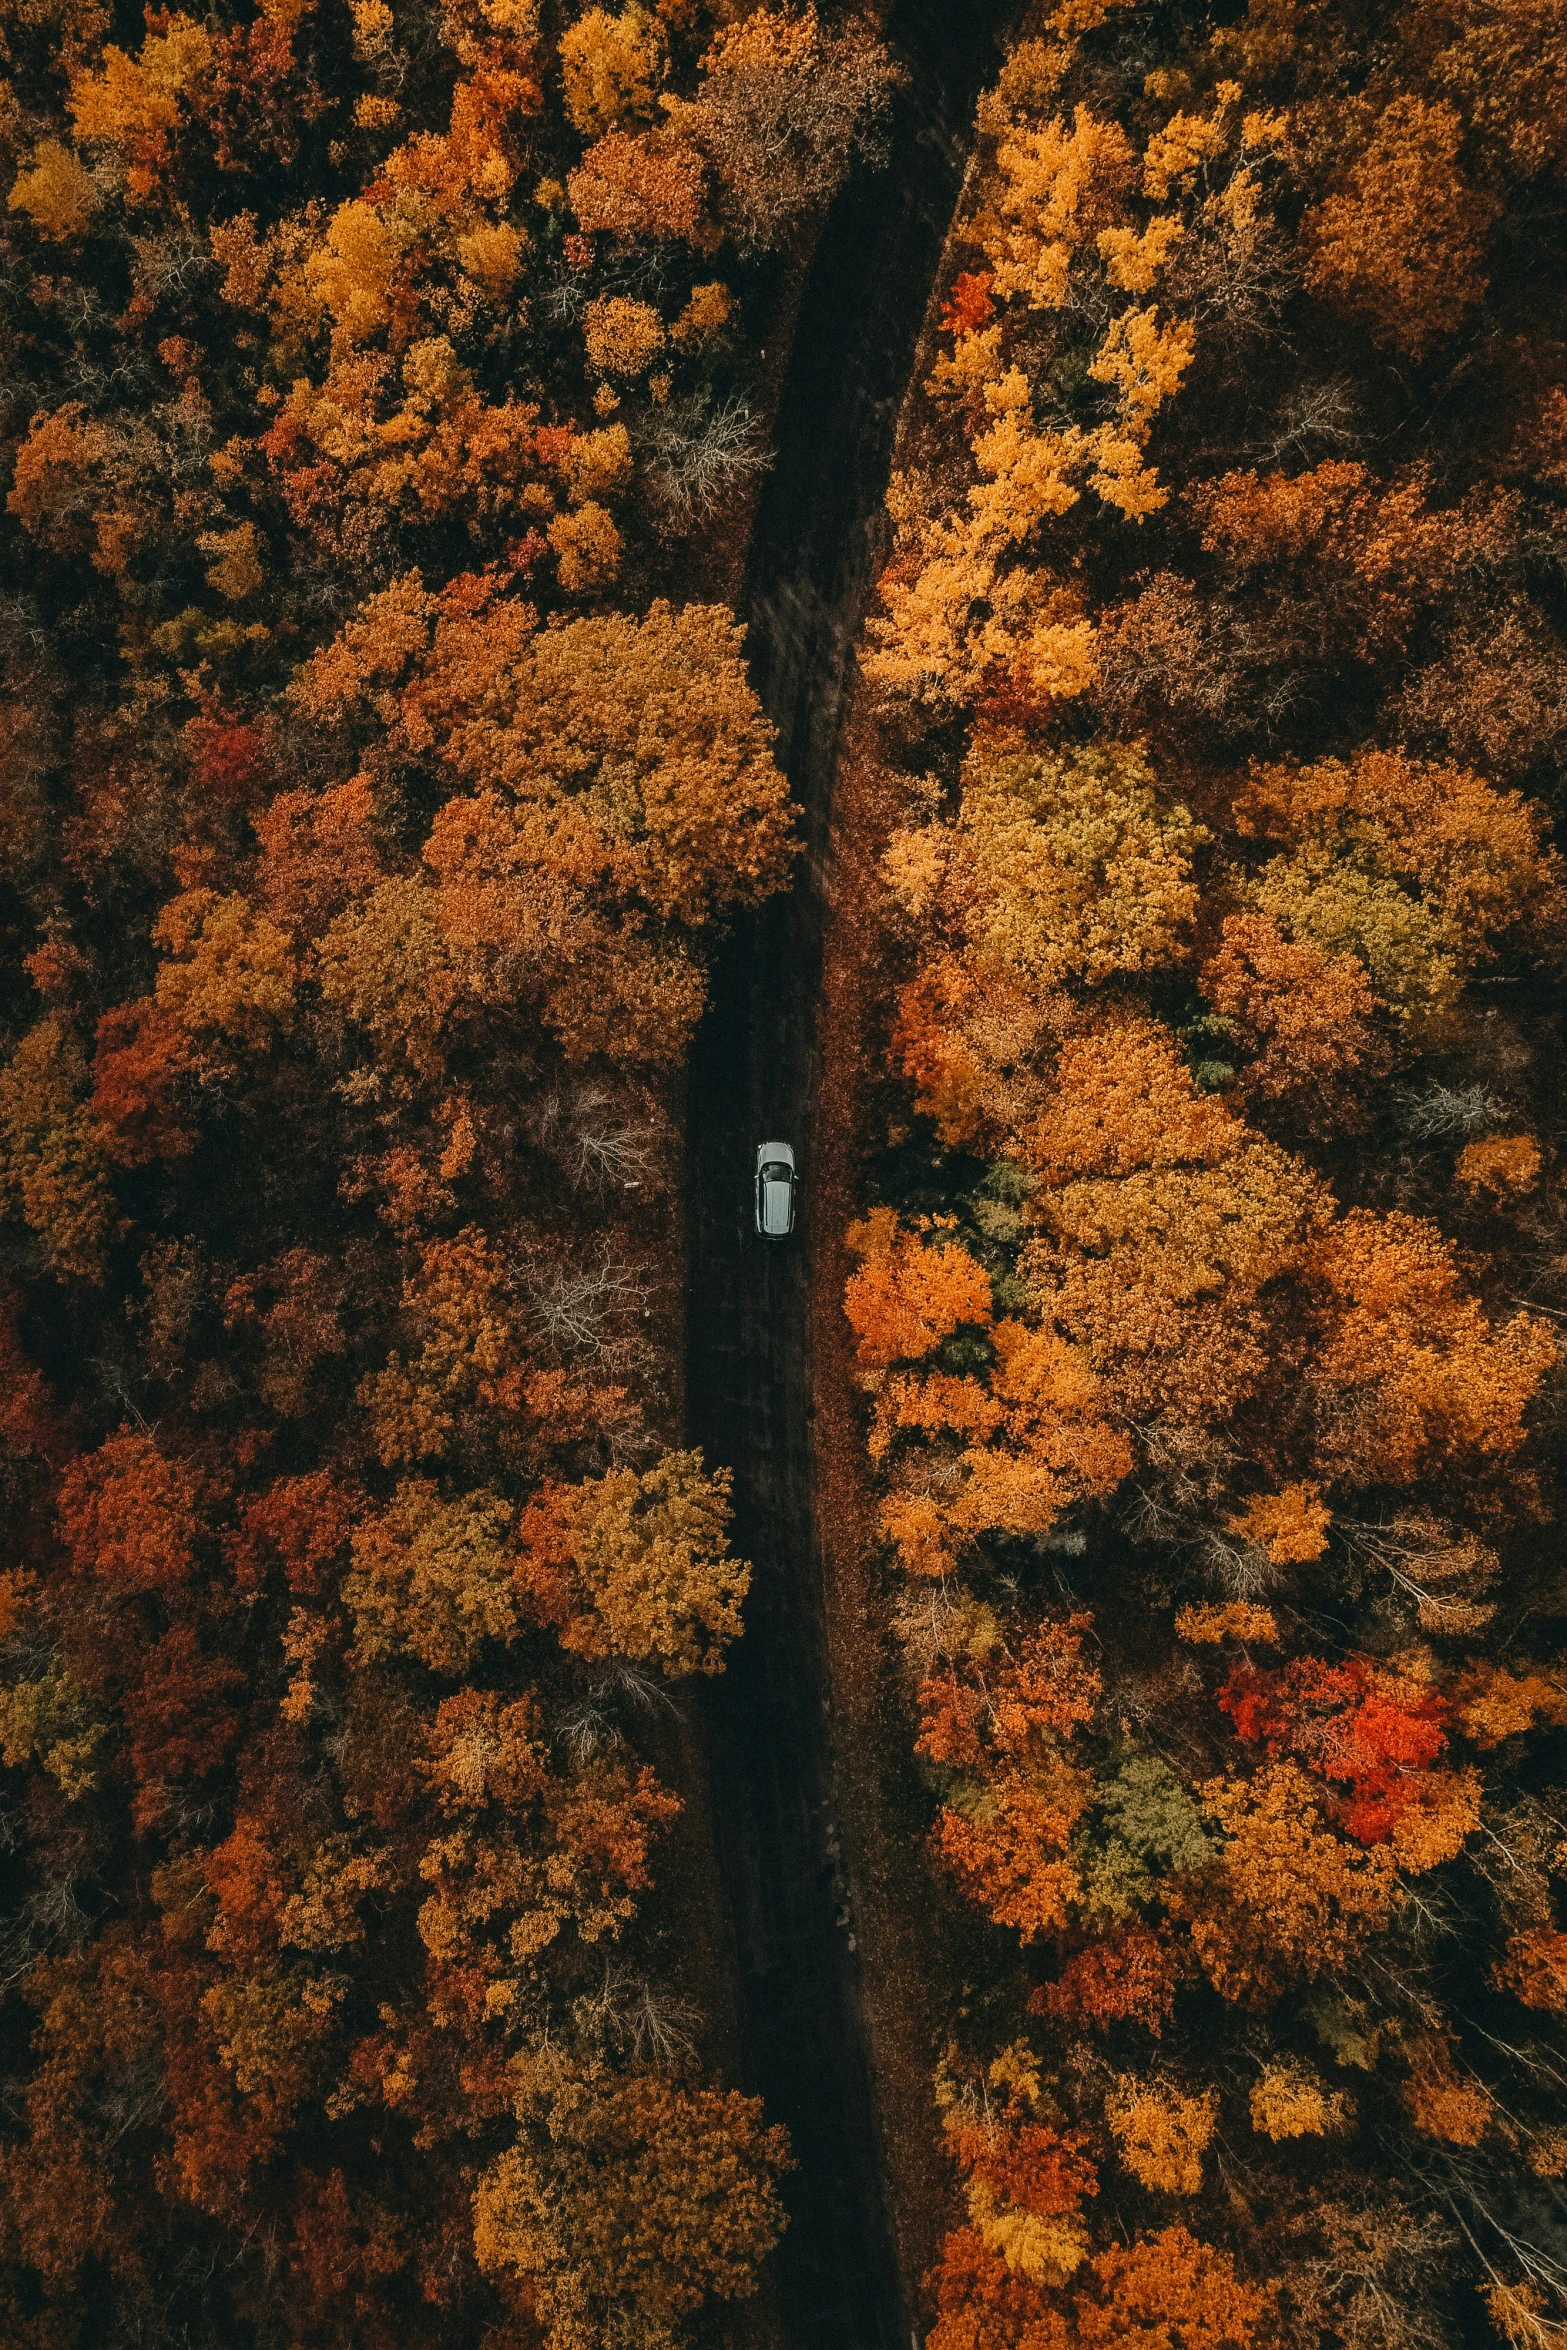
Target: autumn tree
(1410,1372)
(1305,1020)
(1422,874)
(1128,1975)
(612,66)
(141,1063)
(1163,2290)
(1065,867)
(432,1578)
(644,184)
(586,843)
(1401,245)
(638,1565)
(1374,1732)
(522,1857)
(1286,1895)
(1006,1452)
(229,972)
(628,2198)
(1162,2132)
(782,103)
(1291,2101)
(1005,1730)
(467,1364)
(54,1173)
(128,1515)
(1024,2177)
(1165,1220)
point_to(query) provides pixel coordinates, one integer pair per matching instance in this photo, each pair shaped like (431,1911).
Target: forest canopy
(383,408)
(1205,1282)
(388,393)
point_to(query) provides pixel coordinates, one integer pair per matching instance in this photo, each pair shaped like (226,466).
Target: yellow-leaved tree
(586,840)
(637,1565)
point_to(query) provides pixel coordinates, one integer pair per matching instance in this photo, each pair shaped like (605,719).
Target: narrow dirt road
(770,1716)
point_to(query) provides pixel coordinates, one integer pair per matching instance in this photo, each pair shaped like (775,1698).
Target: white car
(776,1183)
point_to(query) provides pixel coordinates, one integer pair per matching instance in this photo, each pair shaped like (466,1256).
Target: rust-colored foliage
(1130,1976)
(1352,1724)
(1168,2291)
(1217,916)
(365,842)
(128,1515)
(142,1057)
(1305,1019)
(1400,246)
(911,1294)
(380,768)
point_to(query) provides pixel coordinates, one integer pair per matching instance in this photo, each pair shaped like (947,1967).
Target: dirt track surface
(777,1801)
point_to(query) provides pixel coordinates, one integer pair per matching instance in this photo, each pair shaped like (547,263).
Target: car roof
(768,1153)
(777,1207)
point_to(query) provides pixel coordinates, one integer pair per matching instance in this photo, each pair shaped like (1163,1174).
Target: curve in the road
(748,1388)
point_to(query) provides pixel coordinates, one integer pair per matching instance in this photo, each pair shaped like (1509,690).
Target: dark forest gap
(769,1716)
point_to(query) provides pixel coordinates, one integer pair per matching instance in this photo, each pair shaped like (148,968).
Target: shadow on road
(769,1718)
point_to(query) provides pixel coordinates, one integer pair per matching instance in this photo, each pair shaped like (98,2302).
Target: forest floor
(823,1886)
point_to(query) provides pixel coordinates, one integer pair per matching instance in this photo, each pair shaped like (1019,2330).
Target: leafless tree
(1439,1572)
(698,451)
(606,1138)
(48,1918)
(586,1310)
(653,2024)
(1316,415)
(1437,1111)
(590,1727)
